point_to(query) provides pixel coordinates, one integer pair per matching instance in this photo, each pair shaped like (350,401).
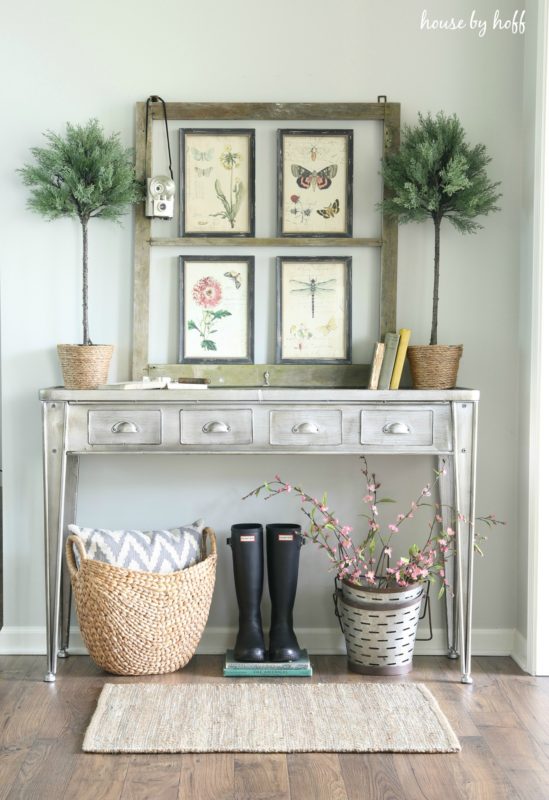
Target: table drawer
(125,426)
(216,426)
(312,426)
(402,426)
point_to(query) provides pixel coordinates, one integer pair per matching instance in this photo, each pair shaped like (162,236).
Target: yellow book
(405,334)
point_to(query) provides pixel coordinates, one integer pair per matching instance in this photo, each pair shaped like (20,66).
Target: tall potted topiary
(437,175)
(84,174)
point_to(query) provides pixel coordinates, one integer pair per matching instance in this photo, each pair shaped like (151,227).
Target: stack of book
(388,360)
(267,669)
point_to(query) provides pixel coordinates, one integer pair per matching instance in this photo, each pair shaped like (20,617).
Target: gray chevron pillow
(146,551)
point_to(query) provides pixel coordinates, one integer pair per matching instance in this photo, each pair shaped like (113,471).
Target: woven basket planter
(379,626)
(434,366)
(85,366)
(141,623)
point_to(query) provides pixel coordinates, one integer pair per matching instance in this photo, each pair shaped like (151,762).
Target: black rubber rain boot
(247,545)
(283,546)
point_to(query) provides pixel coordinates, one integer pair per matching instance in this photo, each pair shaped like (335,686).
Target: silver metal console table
(301,421)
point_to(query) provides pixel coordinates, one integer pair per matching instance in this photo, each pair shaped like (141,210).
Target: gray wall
(71,61)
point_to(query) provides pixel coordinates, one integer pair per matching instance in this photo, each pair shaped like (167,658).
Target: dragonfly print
(312,287)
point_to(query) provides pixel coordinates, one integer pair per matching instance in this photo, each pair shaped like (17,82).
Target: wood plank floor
(502,722)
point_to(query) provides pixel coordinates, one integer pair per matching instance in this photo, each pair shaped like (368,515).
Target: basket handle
(209,535)
(69,553)
(337,612)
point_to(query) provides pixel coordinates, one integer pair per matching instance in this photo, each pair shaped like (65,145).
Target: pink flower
(400,517)
(368,498)
(426,491)
(374,510)
(278,478)
(393,528)
(438,518)
(207,292)
(288,488)
(346,530)
(450,532)
(441,573)
(294,198)
(371,576)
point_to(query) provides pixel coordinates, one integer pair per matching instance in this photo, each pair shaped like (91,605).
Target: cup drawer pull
(216,427)
(397,428)
(306,427)
(125,427)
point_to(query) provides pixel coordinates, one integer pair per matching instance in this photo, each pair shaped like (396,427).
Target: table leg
(54,495)
(69,516)
(465,450)
(448,503)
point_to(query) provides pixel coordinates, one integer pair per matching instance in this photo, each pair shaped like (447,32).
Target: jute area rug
(269,718)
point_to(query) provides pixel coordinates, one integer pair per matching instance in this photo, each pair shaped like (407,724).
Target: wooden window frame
(388,114)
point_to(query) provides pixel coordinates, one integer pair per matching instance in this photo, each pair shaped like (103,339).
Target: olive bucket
(379,626)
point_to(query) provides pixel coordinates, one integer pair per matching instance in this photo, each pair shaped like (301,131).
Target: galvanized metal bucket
(379,626)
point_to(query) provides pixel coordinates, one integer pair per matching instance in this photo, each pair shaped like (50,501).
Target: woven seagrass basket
(434,366)
(85,366)
(142,623)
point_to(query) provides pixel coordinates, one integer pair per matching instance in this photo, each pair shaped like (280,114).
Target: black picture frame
(208,166)
(232,280)
(317,330)
(310,177)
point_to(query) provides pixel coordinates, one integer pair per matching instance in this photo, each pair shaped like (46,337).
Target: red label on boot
(248,538)
(285,537)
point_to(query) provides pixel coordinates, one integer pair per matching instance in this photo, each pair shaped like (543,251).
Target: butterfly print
(235,276)
(330,326)
(330,211)
(308,179)
(202,155)
(203,172)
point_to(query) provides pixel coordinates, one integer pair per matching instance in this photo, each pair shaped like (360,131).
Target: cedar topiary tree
(437,175)
(84,174)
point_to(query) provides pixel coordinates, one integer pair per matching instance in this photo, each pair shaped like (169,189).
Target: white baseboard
(318,641)
(519,653)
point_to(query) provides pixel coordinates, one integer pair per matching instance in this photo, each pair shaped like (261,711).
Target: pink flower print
(294,198)
(207,292)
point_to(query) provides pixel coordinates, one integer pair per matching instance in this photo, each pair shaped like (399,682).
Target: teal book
(389,356)
(267,669)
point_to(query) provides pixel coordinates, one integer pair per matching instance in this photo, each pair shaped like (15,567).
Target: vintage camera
(160,197)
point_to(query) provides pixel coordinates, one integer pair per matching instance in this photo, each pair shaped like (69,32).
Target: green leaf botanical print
(231,205)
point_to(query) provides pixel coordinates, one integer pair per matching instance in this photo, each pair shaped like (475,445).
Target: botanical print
(231,161)
(217,182)
(216,309)
(315,183)
(314,314)
(207,294)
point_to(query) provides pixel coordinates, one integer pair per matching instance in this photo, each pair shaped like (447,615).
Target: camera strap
(154,98)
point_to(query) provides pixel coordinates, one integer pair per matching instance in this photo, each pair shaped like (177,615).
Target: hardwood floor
(502,722)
